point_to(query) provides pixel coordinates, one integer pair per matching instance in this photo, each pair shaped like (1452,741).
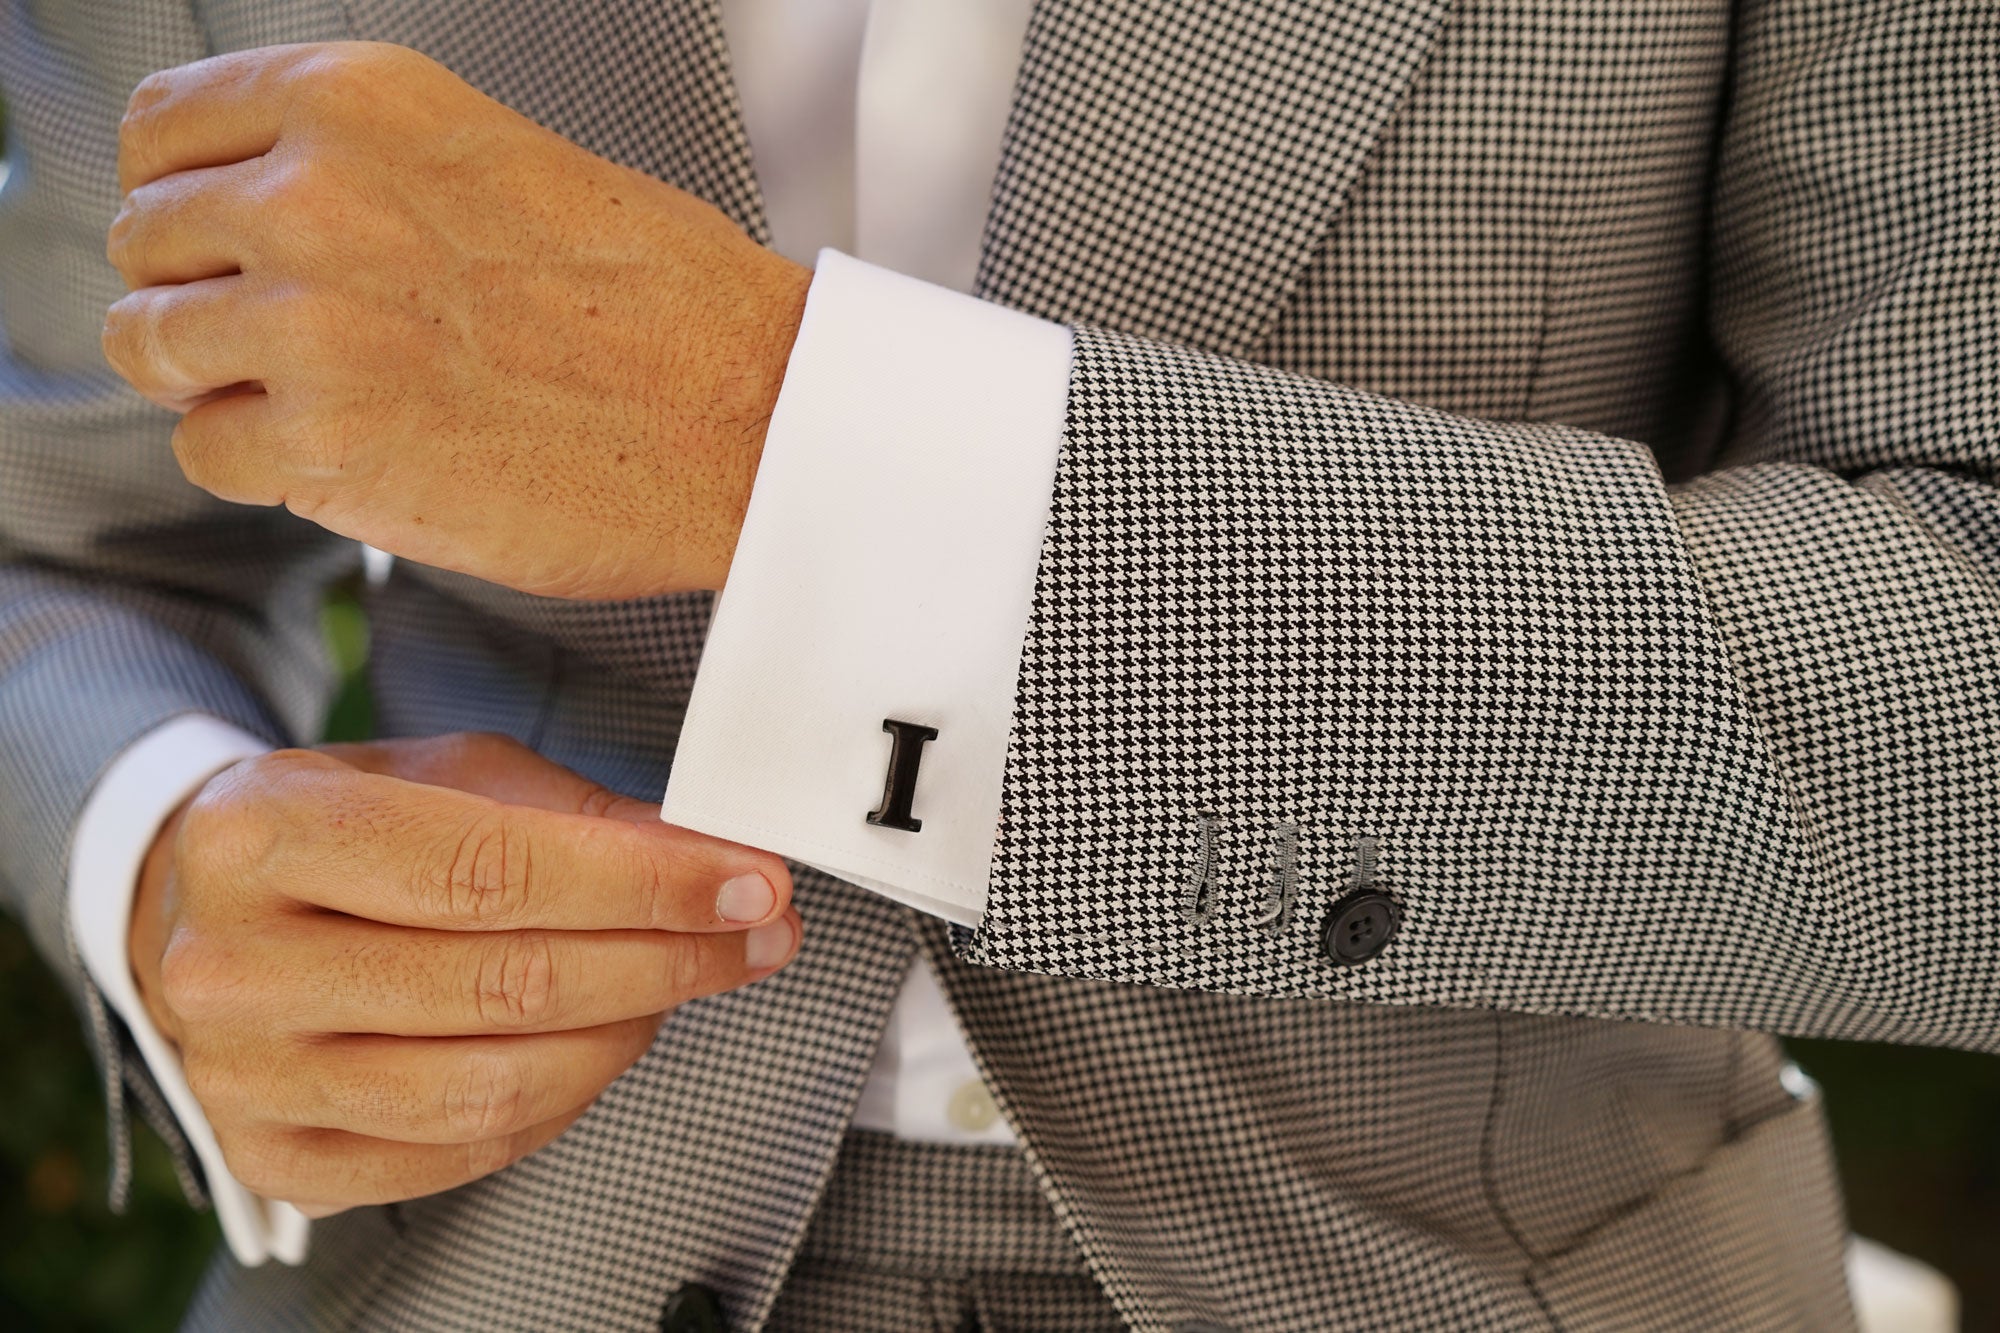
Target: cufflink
(899,785)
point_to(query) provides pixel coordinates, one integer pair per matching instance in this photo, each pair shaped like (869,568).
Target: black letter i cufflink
(899,786)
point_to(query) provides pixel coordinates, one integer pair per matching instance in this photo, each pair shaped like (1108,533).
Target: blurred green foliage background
(1918,1133)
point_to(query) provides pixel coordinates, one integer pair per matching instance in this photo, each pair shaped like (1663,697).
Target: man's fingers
(184,227)
(413,855)
(323,1171)
(464,1089)
(224,109)
(225,444)
(360,977)
(177,344)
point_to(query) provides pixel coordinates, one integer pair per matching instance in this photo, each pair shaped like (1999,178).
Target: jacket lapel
(1169,167)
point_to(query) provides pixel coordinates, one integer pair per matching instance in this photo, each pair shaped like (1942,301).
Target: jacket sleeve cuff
(884,572)
(137,793)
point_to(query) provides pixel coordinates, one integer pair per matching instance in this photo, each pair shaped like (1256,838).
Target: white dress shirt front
(886,563)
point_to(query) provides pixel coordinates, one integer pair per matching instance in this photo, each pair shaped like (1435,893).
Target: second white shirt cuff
(885,571)
(114,831)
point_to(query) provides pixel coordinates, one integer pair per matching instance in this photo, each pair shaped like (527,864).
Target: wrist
(770,327)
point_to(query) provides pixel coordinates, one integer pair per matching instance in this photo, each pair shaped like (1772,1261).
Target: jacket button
(693,1309)
(1359,927)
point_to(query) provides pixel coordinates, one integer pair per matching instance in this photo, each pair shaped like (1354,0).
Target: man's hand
(419,319)
(394,968)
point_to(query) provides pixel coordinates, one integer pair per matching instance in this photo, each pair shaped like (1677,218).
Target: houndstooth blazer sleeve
(127,596)
(1719,752)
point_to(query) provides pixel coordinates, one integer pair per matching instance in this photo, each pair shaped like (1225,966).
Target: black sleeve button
(693,1309)
(1358,927)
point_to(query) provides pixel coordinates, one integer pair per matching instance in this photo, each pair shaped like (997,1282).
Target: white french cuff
(125,810)
(885,571)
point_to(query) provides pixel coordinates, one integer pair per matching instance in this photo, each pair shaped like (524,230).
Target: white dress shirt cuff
(885,570)
(137,793)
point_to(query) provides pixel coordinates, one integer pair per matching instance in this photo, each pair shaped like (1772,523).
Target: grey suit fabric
(908,1238)
(1551,438)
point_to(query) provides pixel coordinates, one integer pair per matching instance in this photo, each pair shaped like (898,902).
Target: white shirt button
(972,1108)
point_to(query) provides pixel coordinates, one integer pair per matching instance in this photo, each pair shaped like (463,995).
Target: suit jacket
(1548,442)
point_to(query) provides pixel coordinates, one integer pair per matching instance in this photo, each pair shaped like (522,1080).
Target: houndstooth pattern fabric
(928,1238)
(1552,438)
(1628,750)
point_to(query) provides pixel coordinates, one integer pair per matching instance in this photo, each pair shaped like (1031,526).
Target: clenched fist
(421,320)
(393,968)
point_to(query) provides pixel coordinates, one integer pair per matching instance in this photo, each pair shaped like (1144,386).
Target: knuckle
(482,1098)
(116,338)
(327,72)
(516,982)
(286,764)
(138,329)
(150,91)
(295,188)
(206,825)
(196,460)
(334,80)
(358,89)
(147,212)
(296,781)
(198,981)
(170,322)
(119,244)
(481,879)
(229,827)
(691,970)
(598,802)
(656,891)
(141,116)
(264,1161)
